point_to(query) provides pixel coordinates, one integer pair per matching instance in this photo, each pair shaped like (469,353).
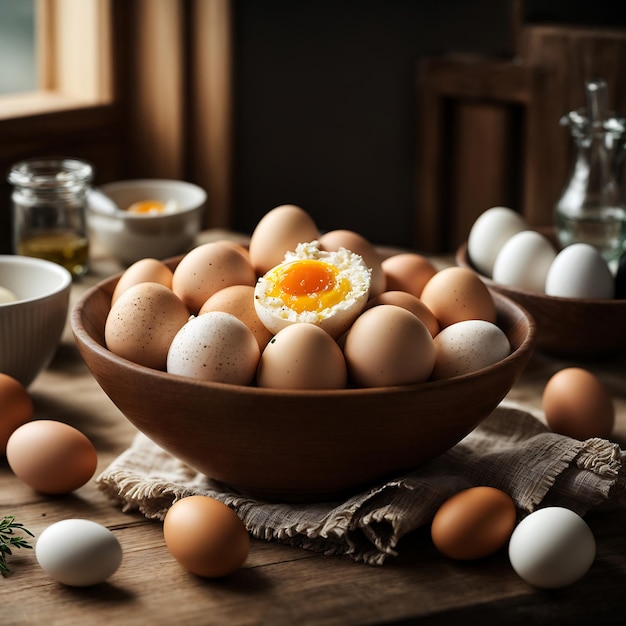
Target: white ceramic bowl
(31,327)
(131,236)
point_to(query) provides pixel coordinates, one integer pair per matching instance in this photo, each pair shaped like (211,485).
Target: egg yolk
(308,285)
(147,206)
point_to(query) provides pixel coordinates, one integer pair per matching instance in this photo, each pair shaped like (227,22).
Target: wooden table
(280,584)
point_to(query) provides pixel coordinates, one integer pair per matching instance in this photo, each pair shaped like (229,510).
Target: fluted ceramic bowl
(31,326)
(298,445)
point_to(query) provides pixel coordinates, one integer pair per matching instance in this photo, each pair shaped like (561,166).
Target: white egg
(6,296)
(580,271)
(216,347)
(524,261)
(78,552)
(491,230)
(552,548)
(468,346)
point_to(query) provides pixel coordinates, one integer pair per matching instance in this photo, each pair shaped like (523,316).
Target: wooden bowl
(298,445)
(571,328)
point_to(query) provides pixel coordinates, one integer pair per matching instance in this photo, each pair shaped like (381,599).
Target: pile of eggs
(502,246)
(302,310)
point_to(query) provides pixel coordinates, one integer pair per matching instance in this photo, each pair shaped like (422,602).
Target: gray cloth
(511,450)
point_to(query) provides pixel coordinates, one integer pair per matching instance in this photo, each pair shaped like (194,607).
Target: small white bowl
(132,236)
(31,327)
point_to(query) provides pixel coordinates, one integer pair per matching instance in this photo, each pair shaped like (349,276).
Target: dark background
(326,99)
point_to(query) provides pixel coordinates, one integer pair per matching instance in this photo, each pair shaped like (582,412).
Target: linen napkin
(511,450)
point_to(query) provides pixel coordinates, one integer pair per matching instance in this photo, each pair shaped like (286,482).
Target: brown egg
(51,457)
(277,232)
(388,345)
(238,300)
(348,239)
(578,405)
(142,323)
(456,294)
(16,408)
(408,271)
(474,523)
(205,536)
(208,268)
(143,271)
(302,356)
(409,302)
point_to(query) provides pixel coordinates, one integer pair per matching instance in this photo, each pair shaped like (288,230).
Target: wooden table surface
(280,584)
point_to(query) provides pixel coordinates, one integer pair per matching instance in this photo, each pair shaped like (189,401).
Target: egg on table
(78,552)
(51,457)
(314,286)
(552,548)
(577,404)
(474,523)
(16,408)
(205,536)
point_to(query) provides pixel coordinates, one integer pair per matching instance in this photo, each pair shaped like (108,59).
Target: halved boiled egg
(326,288)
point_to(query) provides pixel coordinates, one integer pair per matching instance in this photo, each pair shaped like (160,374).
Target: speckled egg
(208,268)
(216,347)
(142,323)
(143,271)
(468,346)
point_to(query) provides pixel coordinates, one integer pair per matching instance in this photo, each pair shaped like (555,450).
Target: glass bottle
(49,210)
(592,206)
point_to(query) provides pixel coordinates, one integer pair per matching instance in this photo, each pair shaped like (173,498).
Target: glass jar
(592,206)
(49,210)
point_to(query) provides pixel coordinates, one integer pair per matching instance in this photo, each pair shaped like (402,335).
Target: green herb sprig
(9,540)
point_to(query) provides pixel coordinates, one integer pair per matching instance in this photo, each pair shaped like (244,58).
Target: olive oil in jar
(49,211)
(71,250)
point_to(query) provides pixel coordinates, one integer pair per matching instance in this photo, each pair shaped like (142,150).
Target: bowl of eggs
(571,292)
(297,368)
(34,303)
(133,219)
